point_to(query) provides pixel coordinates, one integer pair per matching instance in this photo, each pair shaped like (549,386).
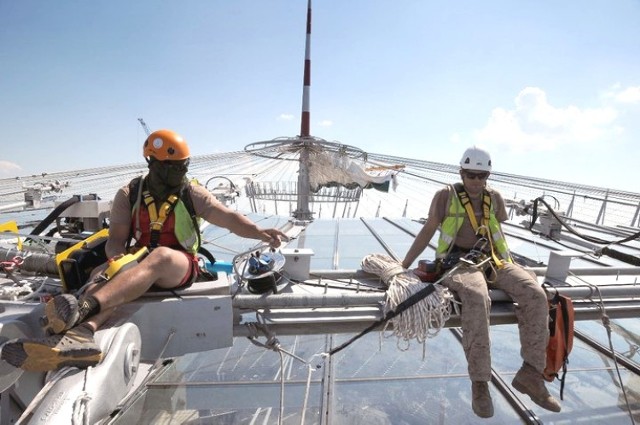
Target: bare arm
(420,242)
(118,235)
(210,209)
(242,226)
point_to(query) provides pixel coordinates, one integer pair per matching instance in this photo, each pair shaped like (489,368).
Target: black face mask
(166,177)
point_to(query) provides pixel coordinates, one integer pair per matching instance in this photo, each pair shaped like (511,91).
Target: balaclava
(166,177)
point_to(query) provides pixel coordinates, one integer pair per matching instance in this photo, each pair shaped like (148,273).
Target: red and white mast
(306,116)
(302,211)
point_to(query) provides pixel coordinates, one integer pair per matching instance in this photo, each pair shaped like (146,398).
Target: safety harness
(137,195)
(485,227)
(157,220)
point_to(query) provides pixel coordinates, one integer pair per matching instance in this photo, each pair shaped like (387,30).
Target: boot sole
(39,357)
(61,313)
(480,413)
(520,387)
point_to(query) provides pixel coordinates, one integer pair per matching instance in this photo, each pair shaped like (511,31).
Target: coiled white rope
(423,320)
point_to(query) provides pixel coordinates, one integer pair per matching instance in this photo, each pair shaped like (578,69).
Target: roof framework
(372,381)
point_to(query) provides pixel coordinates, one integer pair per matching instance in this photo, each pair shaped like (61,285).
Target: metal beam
(342,320)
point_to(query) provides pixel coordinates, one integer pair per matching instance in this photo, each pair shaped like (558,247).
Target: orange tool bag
(561,315)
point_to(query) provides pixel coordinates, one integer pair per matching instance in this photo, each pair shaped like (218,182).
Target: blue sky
(551,88)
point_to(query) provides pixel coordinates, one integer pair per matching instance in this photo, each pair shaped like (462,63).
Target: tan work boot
(481,399)
(75,347)
(531,382)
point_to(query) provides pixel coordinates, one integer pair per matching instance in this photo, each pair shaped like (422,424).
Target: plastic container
(220,266)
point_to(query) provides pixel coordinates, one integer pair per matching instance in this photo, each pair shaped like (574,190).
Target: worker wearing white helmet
(476,159)
(469,214)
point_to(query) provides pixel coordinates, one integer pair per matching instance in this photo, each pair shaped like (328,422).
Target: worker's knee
(472,290)
(161,255)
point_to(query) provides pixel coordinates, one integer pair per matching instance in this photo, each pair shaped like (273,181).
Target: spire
(305,119)
(303,212)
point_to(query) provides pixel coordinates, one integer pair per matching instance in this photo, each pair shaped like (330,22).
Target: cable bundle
(424,319)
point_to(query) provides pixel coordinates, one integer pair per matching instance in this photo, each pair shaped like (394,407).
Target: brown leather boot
(531,382)
(481,399)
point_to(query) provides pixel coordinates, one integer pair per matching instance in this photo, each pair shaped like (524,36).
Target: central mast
(303,212)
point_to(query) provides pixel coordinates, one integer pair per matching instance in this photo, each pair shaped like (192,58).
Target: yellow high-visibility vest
(458,207)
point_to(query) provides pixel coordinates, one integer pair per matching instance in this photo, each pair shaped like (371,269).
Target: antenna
(144,126)
(306,117)
(299,149)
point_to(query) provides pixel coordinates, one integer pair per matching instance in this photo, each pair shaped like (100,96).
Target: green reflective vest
(185,229)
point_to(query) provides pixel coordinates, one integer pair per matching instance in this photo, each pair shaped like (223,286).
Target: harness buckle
(156,225)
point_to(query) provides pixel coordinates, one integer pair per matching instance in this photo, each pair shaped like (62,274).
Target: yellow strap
(466,203)
(157,221)
(151,205)
(166,208)
(484,230)
(496,259)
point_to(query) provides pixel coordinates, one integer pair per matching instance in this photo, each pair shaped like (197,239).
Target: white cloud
(325,123)
(535,125)
(619,94)
(9,169)
(285,117)
(456,139)
(629,95)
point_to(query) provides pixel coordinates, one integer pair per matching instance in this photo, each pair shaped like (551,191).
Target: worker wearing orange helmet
(468,215)
(172,243)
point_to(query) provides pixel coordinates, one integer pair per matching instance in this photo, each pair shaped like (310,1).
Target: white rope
(81,409)
(281,413)
(272,343)
(14,293)
(310,370)
(424,319)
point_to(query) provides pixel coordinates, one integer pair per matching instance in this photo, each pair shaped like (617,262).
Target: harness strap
(486,213)
(157,220)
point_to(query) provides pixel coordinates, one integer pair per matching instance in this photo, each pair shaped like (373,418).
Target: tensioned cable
(606,322)
(588,238)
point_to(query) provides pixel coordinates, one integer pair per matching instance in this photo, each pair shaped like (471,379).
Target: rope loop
(426,317)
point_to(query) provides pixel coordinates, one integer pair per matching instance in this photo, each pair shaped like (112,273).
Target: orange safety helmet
(165,145)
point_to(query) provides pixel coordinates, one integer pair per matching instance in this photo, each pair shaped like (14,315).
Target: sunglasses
(473,176)
(176,166)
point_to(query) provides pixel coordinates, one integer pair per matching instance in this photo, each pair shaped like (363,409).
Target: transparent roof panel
(376,380)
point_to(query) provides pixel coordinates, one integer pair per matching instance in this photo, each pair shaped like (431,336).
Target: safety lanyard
(156,221)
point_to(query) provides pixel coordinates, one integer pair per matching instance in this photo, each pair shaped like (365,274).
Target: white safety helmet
(476,159)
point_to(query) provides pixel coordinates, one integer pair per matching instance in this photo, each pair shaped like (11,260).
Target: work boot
(481,399)
(531,382)
(61,314)
(75,347)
